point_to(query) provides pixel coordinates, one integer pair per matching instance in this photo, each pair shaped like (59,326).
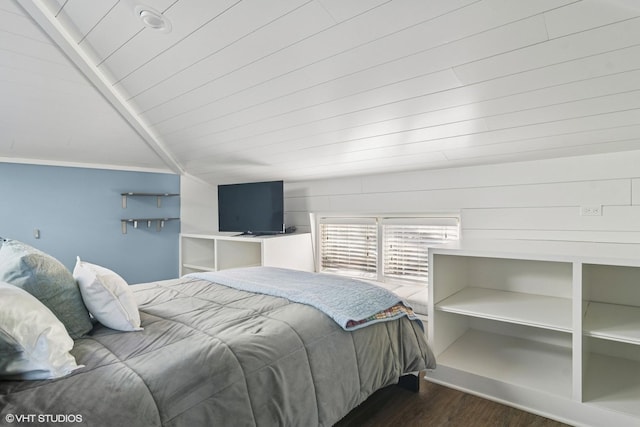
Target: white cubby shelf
(552,328)
(200,252)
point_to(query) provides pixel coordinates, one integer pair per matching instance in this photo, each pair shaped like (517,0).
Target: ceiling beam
(54,29)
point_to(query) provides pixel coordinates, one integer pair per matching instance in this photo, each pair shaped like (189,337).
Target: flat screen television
(254,208)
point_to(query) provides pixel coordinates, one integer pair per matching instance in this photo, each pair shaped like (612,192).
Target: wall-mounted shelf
(158,196)
(135,222)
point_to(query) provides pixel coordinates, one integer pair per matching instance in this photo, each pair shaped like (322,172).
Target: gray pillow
(48,280)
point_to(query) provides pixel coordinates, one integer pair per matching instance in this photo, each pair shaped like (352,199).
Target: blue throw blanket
(345,300)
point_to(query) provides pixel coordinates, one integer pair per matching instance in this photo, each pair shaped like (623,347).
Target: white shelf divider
(198,266)
(613,322)
(513,307)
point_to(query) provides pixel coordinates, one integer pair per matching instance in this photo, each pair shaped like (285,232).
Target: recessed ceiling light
(152,19)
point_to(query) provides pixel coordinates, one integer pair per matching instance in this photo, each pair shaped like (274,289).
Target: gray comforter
(210,355)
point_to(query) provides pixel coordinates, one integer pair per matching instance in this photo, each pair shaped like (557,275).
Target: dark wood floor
(434,406)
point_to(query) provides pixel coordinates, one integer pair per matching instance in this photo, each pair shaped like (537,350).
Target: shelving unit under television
(552,328)
(215,251)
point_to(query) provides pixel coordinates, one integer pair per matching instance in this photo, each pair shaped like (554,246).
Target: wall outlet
(591,210)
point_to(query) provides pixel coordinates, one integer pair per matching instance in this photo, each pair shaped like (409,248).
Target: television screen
(251,208)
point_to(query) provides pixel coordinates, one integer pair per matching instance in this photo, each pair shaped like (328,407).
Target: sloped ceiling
(246,90)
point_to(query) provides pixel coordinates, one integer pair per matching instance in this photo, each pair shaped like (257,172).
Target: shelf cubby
(197,255)
(528,363)
(612,376)
(615,322)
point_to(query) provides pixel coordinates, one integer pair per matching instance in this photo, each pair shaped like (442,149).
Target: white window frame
(445,218)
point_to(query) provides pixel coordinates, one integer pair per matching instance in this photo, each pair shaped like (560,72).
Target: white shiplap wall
(527,200)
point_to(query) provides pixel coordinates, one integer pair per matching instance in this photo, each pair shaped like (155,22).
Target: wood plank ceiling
(246,90)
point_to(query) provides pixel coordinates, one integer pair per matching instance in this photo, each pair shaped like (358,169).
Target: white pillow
(34,344)
(107,296)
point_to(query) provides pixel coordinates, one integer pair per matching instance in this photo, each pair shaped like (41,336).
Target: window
(386,249)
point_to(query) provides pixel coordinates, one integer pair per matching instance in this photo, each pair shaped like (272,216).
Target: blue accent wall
(78,211)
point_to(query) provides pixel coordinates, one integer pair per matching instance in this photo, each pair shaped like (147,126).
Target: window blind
(383,248)
(406,245)
(349,247)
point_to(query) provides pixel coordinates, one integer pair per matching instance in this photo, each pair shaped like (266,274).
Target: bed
(208,353)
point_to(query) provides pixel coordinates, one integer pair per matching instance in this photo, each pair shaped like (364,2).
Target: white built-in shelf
(508,359)
(551,328)
(201,252)
(513,307)
(613,322)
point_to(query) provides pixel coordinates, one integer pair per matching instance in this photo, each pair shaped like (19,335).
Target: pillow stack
(45,307)
(42,312)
